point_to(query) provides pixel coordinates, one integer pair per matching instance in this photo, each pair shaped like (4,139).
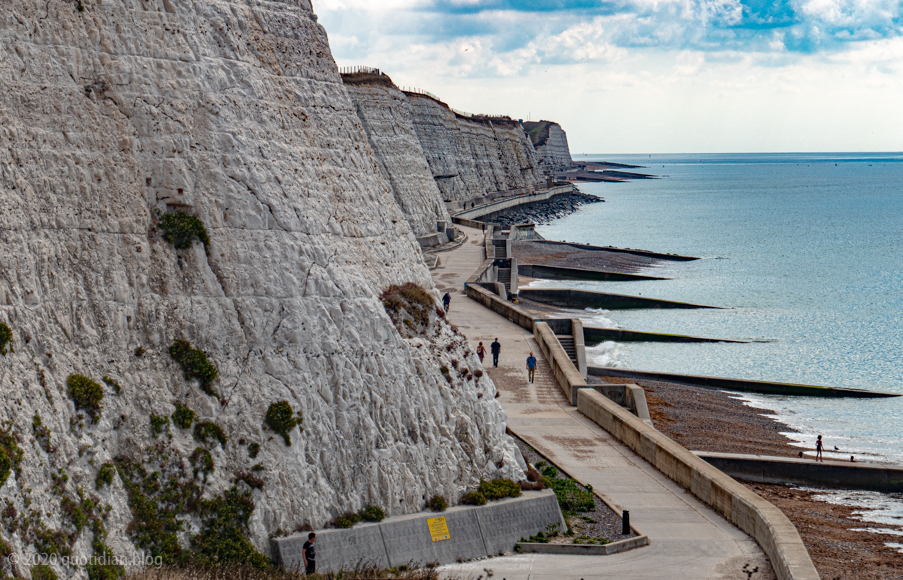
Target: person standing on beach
(818,450)
(481,352)
(495,348)
(309,554)
(446,301)
(531,367)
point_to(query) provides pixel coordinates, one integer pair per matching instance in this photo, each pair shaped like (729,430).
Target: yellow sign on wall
(438,529)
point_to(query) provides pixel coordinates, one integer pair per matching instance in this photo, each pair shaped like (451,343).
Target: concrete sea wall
(474,532)
(749,512)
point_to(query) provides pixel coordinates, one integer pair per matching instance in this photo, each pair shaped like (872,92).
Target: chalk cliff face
(551,143)
(473,157)
(233,112)
(387,117)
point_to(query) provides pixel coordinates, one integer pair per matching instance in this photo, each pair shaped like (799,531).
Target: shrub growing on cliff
(10,454)
(473,498)
(86,394)
(202,462)
(43,572)
(112,384)
(437,503)
(195,365)
(105,475)
(182,417)
(224,537)
(181,230)
(281,419)
(41,433)
(498,489)
(159,424)
(253,450)
(372,513)
(6,338)
(204,431)
(408,305)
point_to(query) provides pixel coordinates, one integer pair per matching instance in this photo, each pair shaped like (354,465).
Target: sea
(805,251)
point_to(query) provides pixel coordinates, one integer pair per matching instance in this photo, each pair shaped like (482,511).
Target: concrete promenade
(687,539)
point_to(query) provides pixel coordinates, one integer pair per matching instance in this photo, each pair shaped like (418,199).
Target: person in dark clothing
(531,367)
(446,301)
(495,348)
(309,554)
(819,447)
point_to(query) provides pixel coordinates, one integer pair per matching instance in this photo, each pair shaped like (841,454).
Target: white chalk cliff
(232,111)
(551,143)
(474,157)
(387,118)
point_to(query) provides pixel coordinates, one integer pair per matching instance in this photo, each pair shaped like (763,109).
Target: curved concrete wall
(749,512)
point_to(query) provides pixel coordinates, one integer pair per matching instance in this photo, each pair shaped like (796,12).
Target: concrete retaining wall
(560,273)
(631,397)
(475,532)
(834,474)
(568,298)
(767,524)
(741,385)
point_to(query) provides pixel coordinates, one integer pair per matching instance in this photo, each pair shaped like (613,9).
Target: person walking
(495,348)
(531,367)
(446,301)
(481,352)
(309,554)
(819,447)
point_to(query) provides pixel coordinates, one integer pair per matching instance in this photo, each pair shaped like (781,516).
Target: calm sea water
(806,250)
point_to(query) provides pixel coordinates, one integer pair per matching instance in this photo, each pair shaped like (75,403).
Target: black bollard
(625,523)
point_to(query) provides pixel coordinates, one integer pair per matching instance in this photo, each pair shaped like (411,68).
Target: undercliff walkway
(687,539)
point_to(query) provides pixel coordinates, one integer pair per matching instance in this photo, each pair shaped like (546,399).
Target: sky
(648,76)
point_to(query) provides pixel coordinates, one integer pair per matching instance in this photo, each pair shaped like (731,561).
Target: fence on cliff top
(348,70)
(417,91)
(458,112)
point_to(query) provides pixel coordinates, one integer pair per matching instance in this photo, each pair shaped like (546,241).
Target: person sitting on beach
(800,454)
(818,450)
(853,459)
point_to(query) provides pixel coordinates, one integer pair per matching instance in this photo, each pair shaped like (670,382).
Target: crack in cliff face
(253,193)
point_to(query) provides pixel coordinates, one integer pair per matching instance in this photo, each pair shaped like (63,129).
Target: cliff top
(366,78)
